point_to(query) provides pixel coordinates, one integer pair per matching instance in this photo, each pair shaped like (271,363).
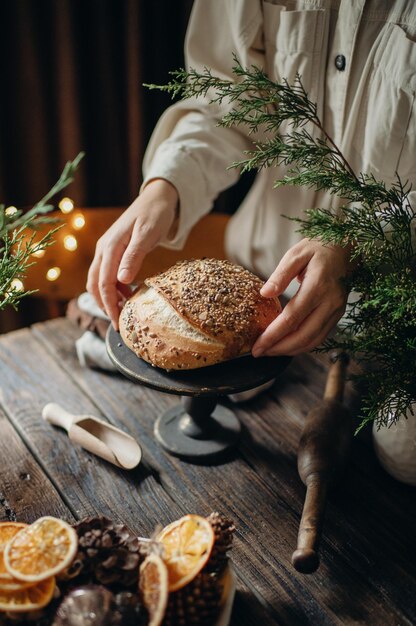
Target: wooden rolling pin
(322,454)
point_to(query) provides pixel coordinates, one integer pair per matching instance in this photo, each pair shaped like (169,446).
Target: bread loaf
(197,313)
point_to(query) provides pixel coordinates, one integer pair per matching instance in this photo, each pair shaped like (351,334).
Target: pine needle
(17,246)
(377,222)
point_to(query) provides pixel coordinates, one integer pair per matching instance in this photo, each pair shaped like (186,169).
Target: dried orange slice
(40,550)
(4,574)
(7,582)
(13,585)
(30,598)
(7,531)
(187,545)
(153,586)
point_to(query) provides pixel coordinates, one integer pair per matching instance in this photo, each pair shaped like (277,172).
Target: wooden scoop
(96,436)
(322,453)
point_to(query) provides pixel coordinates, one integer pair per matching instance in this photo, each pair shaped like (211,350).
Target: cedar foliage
(18,238)
(377,222)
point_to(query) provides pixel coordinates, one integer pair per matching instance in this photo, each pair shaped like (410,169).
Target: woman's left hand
(316,307)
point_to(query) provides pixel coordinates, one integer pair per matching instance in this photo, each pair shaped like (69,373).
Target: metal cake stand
(198,428)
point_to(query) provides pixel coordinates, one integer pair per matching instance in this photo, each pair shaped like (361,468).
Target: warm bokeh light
(11,210)
(17,284)
(53,273)
(70,243)
(39,253)
(78,221)
(66,205)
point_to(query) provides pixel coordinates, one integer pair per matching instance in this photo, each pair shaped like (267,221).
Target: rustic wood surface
(367,572)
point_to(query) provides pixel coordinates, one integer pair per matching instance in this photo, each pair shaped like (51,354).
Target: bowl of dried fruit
(98,573)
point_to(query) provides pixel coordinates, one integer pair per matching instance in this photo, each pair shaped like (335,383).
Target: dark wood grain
(195,489)
(26,493)
(362,550)
(30,379)
(260,488)
(90,485)
(366,575)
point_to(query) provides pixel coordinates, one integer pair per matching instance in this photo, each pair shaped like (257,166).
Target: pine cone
(108,553)
(196,604)
(224,532)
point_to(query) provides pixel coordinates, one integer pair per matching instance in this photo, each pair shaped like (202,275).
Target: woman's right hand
(119,253)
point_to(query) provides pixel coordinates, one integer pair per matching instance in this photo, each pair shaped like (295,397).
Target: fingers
(308,336)
(130,264)
(116,262)
(102,277)
(107,284)
(305,322)
(92,279)
(114,266)
(297,310)
(121,250)
(143,240)
(293,263)
(318,304)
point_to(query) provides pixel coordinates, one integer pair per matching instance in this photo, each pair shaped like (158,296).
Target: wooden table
(367,572)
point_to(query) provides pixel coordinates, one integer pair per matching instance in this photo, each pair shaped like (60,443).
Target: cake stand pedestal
(197,429)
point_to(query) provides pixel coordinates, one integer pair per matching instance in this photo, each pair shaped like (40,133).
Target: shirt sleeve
(188,148)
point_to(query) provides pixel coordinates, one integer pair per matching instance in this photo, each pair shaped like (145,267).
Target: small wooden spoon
(96,436)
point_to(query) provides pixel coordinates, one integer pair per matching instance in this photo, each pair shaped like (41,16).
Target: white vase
(395,447)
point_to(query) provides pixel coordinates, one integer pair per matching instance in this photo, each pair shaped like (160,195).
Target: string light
(66,205)
(70,243)
(11,210)
(53,273)
(78,221)
(17,284)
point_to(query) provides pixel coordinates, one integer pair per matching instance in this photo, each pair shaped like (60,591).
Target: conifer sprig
(377,223)
(18,239)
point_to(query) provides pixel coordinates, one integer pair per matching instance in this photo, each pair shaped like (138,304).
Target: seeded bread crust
(214,312)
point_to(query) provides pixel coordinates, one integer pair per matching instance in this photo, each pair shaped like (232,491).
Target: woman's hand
(120,251)
(316,307)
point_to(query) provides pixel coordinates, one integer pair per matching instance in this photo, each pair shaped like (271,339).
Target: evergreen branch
(374,221)
(65,179)
(42,207)
(17,246)
(258,101)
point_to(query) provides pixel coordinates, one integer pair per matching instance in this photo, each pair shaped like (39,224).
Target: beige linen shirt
(367,107)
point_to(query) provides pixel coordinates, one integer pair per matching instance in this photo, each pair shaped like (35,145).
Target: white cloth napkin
(90,347)
(92,352)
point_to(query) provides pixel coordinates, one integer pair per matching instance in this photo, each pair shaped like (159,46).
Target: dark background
(72,74)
